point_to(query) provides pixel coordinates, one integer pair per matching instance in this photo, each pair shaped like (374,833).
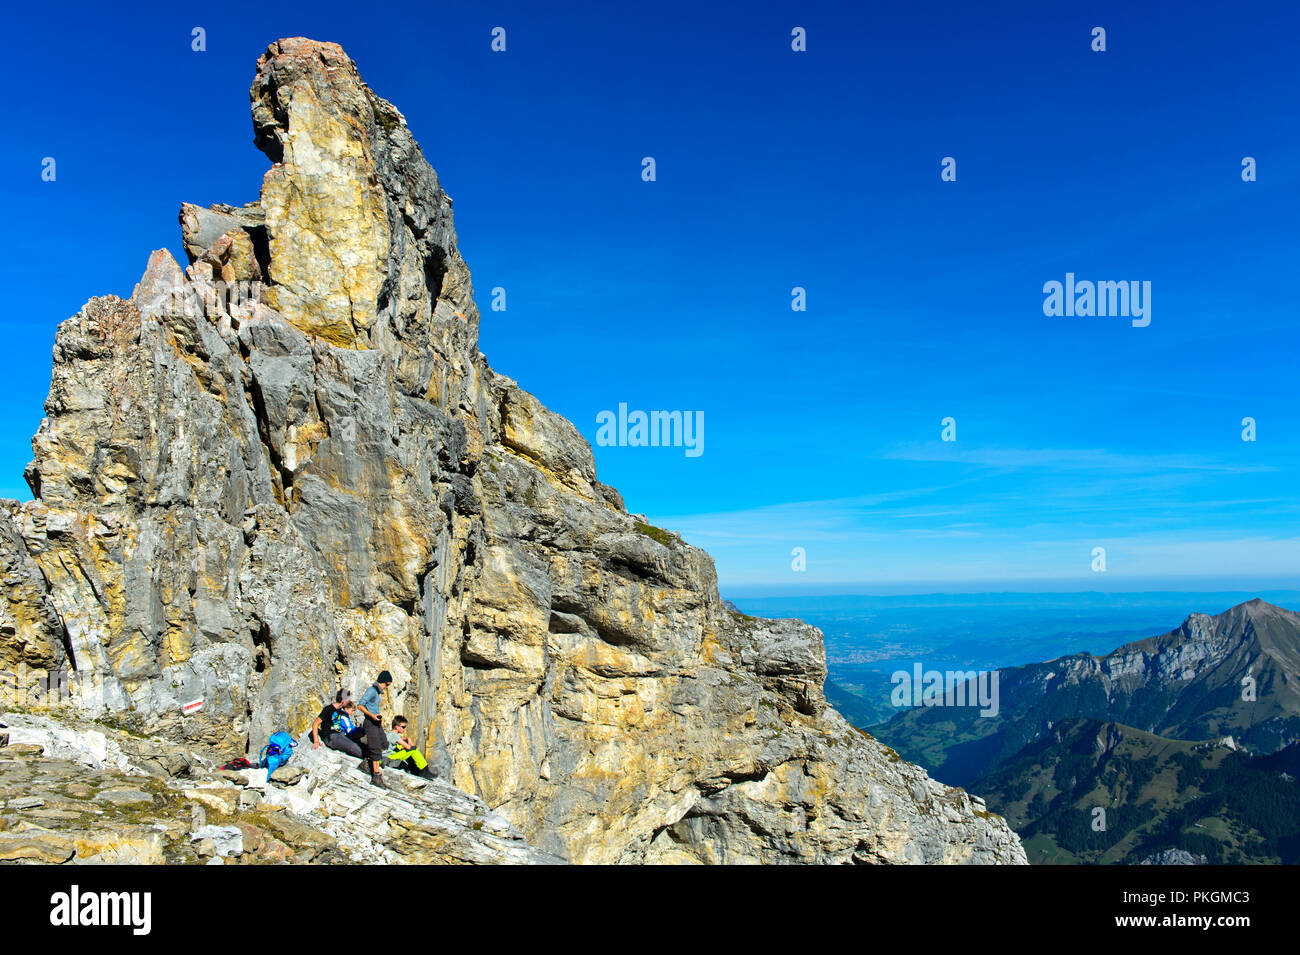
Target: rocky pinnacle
(287,466)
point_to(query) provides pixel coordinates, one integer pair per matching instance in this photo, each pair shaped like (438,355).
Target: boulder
(23,750)
(287,775)
(219,840)
(223,800)
(29,847)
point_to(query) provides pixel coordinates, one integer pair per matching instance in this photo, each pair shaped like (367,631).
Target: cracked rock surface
(72,791)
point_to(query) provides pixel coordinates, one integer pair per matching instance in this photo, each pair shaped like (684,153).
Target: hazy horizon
(887,590)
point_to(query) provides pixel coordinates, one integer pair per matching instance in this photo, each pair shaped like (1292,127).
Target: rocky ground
(73,791)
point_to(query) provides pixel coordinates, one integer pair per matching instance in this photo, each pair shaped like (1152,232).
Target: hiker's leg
(344,745)
(374,745)
(417,757)
(358,738)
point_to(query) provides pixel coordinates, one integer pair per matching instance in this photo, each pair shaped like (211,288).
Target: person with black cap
(370,706)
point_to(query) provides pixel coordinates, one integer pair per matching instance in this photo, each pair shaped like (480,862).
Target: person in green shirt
(403,752)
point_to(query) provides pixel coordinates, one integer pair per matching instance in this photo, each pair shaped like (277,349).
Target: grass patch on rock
(657,534)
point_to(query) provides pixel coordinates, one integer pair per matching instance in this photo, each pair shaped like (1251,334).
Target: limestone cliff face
(253,499)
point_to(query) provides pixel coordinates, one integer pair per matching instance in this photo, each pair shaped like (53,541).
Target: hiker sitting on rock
(333,728)
(403,753)
(349,723)
(369,705)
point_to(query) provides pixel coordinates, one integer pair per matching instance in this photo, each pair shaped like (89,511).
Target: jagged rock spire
(258,500)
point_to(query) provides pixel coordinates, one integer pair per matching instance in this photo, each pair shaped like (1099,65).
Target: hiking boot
(378,780)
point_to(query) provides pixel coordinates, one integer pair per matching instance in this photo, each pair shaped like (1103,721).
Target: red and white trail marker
(193,706)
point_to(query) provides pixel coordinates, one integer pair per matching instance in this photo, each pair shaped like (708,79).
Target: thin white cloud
(1075,459)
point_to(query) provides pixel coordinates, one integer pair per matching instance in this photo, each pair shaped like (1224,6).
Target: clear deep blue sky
(779,169)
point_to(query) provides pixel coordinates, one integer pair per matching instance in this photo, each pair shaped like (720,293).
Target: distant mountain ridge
(1096,792)
(1188,684)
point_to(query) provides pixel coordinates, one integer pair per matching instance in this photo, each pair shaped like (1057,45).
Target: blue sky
(778,169)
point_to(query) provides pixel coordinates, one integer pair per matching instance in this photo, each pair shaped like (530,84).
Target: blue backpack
(277,751)
(343,725)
